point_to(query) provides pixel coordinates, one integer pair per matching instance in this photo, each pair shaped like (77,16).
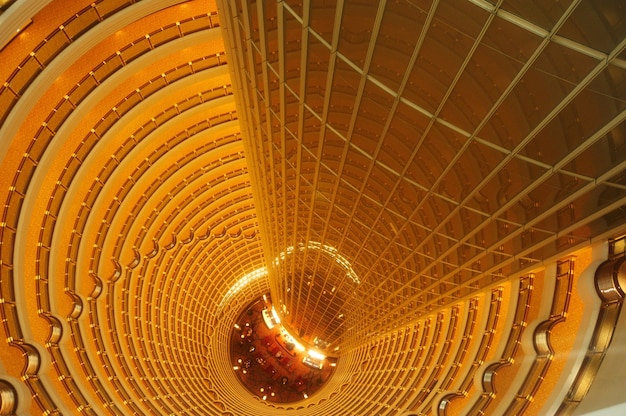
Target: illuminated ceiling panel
(436,157)
(426,188)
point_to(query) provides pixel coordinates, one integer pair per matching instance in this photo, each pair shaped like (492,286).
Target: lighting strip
(330,250)
(241,283)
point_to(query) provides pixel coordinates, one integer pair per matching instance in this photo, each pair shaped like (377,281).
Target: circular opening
(270,362)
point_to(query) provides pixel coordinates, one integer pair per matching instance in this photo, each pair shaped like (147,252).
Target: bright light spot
(330,250)
(267,319)
(275,315)
(243,282)
(317,355)
(289,338)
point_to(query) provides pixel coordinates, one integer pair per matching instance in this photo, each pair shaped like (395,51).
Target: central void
(270,362)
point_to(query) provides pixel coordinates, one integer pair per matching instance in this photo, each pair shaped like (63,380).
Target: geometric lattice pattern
(427,189)
(439,147)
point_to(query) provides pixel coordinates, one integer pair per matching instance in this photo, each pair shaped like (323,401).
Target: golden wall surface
(425,188)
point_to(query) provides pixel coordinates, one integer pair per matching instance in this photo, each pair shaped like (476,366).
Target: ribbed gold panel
(408,154)
(425,188)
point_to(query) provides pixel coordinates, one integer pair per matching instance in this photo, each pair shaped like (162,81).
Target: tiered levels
(428,190)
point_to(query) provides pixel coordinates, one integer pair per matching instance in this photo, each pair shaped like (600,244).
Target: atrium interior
(312,207)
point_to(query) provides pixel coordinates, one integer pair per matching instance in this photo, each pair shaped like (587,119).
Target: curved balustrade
(610,282)
(77,25)
(545,353)
(480,356)
(490,383)
(57,118)
(400,147)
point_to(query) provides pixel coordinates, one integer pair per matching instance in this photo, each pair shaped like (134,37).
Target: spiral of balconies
(427,189)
